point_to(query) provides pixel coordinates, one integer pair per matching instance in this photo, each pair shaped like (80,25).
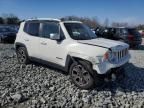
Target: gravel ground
(35,86)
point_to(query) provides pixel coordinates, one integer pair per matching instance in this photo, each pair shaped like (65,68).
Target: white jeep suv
(71,46)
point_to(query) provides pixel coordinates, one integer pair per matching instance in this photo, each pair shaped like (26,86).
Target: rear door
(31,38)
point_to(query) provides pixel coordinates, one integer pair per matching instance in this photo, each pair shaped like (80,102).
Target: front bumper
(104,67)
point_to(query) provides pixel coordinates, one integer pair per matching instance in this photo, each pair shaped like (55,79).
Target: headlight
(108,56)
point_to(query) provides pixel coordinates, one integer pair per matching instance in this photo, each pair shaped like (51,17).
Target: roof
(52,19)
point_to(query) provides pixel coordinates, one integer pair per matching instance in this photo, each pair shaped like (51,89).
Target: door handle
(43,43)
(26,39)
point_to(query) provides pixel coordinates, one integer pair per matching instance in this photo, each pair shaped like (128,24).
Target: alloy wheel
(80,75)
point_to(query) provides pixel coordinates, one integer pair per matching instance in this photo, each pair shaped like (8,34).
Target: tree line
(92,22)
(140,27)
(9,19)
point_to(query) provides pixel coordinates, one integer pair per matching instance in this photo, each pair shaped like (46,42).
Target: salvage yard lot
(35,85)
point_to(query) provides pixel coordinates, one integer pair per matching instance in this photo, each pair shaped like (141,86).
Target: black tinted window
(133,32)
(32,28)
(49,28)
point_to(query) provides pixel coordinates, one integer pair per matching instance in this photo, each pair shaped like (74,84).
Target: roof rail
(41,19)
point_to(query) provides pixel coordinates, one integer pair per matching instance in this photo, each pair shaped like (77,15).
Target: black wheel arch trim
(19,44)
(71,59)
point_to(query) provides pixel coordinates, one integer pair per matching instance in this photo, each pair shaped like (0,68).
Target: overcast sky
(130,11)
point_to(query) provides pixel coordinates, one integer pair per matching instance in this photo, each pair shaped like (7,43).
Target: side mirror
(54,36)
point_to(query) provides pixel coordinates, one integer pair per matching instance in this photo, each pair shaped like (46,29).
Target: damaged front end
(113,74)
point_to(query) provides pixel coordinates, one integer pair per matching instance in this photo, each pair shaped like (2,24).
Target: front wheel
(120,73)
(80,75)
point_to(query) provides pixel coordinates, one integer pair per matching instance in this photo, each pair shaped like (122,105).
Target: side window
(118,31)
(49,28)
(32,28)
(114,31)
(124,31)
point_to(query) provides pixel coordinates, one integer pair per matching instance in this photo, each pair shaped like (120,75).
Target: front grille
(119,55)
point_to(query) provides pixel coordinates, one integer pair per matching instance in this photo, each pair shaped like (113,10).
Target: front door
(51,50)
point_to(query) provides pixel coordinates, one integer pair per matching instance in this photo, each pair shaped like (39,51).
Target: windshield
(79,31)
(124,31)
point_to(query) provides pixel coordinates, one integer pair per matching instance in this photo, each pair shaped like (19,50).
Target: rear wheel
(80,75)
(22,55)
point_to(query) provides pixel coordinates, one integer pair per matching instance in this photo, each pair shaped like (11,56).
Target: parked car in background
(124,34)
(7,34)
(99,31)
(93,30)
(142,33)
(14,28)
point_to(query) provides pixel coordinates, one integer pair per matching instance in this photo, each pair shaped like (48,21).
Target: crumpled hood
(105,43)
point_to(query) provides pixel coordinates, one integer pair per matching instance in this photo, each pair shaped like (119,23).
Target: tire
(120,73)
(22,55)
(80,75)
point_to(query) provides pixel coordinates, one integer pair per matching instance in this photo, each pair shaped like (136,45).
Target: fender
(72,56)
(84,57)
(19,44)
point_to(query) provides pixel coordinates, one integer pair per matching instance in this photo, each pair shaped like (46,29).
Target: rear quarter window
(32,28)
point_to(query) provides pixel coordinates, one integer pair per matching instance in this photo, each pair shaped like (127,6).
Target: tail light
(130,37)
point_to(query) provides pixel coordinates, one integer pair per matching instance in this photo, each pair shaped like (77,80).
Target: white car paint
(90,50)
